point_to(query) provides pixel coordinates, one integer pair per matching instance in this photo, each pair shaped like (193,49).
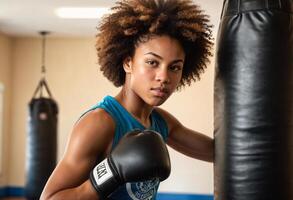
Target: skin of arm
(88,144)
(187,141)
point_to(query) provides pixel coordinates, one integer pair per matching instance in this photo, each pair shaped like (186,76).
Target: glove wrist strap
(103,179)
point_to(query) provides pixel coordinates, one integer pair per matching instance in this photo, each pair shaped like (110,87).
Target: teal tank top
(125,123)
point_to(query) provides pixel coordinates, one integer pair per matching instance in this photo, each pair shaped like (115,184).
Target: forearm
(193,144)
(83,192)
(208,151)
(204,150)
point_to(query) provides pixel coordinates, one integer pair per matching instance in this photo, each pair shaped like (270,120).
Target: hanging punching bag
(254,101)
(41,143)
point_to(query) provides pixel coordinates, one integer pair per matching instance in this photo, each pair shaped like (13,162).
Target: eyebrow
(161,58)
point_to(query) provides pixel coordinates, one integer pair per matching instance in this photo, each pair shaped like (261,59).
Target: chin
(157,101)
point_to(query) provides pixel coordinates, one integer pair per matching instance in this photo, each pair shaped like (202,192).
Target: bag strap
(42,84)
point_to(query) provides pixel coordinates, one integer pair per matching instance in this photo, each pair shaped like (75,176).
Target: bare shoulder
(95,130)
(95,123)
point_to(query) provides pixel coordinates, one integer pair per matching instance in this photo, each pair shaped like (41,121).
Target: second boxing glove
(139,156)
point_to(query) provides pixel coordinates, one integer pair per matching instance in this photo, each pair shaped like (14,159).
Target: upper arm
(90,138)
(187,141)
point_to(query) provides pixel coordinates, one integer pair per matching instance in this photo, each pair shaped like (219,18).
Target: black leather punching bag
(254,101)
(41,142)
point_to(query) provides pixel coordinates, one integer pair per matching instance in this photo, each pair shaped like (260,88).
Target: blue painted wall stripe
(19,192)
(2,192)
(11,192)
(182,196)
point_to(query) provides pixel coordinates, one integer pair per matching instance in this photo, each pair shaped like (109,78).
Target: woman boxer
(150,48)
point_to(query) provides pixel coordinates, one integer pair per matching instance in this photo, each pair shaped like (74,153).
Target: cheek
(177,79)
(141,78)
(143,73)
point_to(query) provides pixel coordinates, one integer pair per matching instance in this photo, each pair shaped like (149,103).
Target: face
(155,70)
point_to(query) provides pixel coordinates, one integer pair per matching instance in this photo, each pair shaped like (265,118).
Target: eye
(152,63)
(175,68)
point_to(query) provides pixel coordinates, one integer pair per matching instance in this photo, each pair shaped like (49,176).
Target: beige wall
(76,84)
(5,79)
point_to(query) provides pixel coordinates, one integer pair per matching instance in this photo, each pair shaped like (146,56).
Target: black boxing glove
(139,156)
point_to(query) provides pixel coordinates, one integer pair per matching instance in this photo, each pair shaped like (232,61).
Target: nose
(163,76)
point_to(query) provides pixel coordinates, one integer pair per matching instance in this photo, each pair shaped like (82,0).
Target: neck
(135,106)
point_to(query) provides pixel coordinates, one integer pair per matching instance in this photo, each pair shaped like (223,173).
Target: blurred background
(76,84)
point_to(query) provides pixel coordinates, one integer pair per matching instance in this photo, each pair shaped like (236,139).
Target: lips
(159,91)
